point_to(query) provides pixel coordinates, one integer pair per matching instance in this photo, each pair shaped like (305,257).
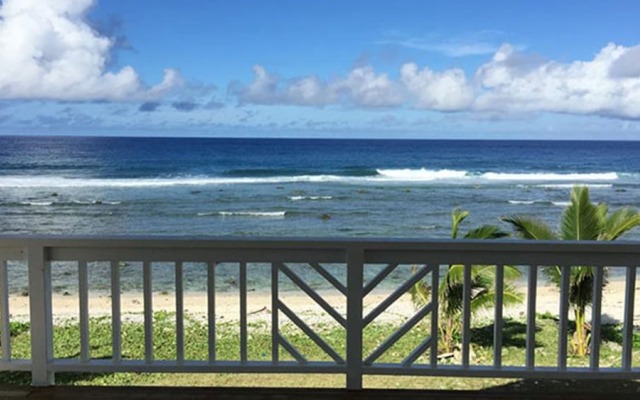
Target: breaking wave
(261,214)
(380,176)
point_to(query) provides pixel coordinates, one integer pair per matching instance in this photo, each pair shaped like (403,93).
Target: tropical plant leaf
(581,220)
(528,227)
(457,216)
(619,223)
(486,232)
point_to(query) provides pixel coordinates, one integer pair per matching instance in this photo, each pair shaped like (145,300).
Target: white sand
(259,305)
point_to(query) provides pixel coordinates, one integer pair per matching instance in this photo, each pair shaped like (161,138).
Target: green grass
(67,339)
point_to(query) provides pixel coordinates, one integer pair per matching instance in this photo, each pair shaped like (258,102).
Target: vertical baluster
(531,316)
(355,296)
(116,320)
(5,327)
(275,329)
(466,316)
(243,312)
(40,315)
(435,282)
(629,302)
(596,314)
(211,309)
(497,324)
(148,311)
(179,314)
(83,293)
(564,316)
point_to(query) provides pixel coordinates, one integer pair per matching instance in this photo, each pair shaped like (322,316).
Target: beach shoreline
(259,304)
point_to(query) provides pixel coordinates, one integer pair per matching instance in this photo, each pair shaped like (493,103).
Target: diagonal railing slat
(393,297)
(310,333)
(418,351)
(329,277)
(291,350)
(313,294)
(380,276)
(398,334)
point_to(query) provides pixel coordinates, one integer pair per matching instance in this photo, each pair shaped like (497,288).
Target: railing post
(355,291)
(40,309)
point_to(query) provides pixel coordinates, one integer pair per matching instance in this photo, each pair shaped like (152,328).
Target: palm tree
(450,291)
(581,220)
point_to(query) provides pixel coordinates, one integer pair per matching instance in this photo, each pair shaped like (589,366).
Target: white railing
(361,265)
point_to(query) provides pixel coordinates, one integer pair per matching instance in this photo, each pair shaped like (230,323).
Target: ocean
(298,187)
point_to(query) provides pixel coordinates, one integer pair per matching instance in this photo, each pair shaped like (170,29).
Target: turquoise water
(308,188)
(305,188)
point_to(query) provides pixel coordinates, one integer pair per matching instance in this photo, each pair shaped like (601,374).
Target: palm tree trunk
(580,337)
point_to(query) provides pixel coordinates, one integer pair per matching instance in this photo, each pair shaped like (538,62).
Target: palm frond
(581,220)
(528,227)
(486,232)
(619,223)
(457,216)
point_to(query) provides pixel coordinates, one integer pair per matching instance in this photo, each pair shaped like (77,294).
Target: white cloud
(511,83)
(442,91)
(362,87)
(627,65)
(581,87)
(366,88)
(48,51)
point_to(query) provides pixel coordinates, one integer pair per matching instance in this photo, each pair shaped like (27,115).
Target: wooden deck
(184,393)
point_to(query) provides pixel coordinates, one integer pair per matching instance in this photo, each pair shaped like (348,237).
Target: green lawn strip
(67,339)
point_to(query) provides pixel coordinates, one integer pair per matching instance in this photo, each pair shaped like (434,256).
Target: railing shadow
(513,334)
(569,386)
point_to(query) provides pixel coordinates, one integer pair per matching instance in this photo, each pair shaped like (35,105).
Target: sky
(495,69)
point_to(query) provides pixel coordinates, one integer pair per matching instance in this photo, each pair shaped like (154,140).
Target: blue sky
(382,69)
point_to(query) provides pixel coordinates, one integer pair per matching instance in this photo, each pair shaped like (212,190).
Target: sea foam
(299,198)
(383,175)
(267,214)
(421,174)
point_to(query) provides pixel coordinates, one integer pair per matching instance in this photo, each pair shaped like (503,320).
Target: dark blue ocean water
(284,187)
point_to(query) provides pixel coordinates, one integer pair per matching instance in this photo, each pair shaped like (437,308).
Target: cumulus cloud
(443,91)
(512,82)
(362,87)
(607,85)
(49,51)
(627,65)
(267,88)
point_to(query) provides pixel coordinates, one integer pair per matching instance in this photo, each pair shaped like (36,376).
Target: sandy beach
(66,307)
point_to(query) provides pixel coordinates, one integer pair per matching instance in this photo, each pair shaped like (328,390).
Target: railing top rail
(390,244)
(313,242)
